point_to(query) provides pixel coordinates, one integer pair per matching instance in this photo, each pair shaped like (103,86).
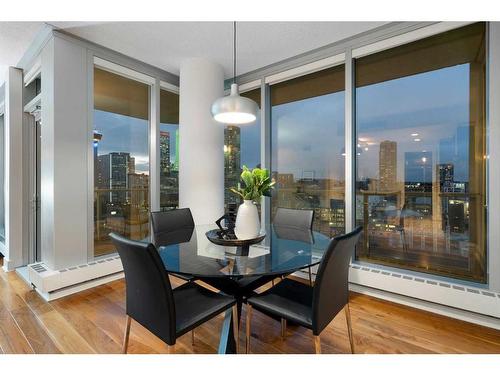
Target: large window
(420,189)
(121,159)
(307,143)
(2,179)
(241,147)
(169,150)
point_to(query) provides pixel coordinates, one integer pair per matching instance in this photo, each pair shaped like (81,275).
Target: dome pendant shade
(235,109)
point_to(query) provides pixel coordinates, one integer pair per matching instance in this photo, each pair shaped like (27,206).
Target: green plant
(254,184)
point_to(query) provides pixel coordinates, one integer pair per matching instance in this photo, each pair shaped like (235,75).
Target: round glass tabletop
(283,250)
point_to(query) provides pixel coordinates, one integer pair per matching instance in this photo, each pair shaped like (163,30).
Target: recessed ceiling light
(414,134)
(417,139)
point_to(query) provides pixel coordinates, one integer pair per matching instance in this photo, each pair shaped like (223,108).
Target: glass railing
(125,211)
(436,232)
(121,210)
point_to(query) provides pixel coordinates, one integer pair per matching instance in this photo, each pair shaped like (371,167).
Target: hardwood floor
(93,321)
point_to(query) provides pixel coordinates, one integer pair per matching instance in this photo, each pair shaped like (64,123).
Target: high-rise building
(445,174)
(165,166)
(232,162)
(112,172)
(388,165)
(176,163)
(337,207)
(131,165)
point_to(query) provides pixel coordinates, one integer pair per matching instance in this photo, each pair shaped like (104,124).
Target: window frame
(358,47)
(155,142)
(153,84)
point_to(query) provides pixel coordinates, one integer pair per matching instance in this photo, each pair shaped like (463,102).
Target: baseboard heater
(464,302)
(53,284)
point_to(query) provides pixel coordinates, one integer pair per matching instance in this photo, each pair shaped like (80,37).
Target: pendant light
(234,109)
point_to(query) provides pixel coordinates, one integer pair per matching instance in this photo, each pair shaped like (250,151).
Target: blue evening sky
(308,135)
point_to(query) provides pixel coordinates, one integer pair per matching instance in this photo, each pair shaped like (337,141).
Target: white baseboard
(52,284)
(451,312)
(474,305)
(59,293)
(8,265)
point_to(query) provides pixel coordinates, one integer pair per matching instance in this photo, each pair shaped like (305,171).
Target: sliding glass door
(421,135)
(121,159)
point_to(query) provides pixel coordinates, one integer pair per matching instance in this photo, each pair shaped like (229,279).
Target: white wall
(14,243)
(64,146)
(201,141)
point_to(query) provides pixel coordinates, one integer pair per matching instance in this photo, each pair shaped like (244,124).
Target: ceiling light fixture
(234,109)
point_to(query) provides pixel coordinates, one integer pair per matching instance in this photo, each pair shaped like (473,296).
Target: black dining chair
(294,219)
(172,227)
(150,300)
(312,307)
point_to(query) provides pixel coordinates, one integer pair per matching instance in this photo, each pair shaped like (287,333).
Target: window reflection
(241,147)
(420,155)
(169,150)
(308,147)
(121,159)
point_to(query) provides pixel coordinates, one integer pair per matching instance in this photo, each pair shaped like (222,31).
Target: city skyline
(124,134)
(319,111)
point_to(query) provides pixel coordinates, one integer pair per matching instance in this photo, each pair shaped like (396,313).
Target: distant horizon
(308,135)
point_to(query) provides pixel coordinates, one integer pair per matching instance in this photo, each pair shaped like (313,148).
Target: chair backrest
(331,288)
(150,299)
(289,217)
(173,226)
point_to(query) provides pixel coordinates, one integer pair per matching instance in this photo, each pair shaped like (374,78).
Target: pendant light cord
(234,51)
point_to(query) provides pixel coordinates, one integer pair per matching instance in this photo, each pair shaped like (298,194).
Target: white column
(64,150)
(13,124)
(201,141)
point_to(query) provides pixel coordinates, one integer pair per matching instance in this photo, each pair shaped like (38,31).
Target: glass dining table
(239,271)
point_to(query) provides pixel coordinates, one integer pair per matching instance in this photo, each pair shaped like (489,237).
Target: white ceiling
(15,38)
(167,44)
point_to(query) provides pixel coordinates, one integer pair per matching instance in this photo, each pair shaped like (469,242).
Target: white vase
(247,221)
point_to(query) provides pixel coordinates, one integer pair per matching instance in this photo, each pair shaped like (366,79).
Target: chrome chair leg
(349,326)
(249,319)
(126,336)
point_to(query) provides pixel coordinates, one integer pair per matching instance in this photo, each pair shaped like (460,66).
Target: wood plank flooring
(93,321)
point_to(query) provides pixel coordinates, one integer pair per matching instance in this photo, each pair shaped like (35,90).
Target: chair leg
(236,328)
(310,277)
(317,344)
(349,327)
(171,349)
(126,336)
(192,337)
(249,319)
(283,328)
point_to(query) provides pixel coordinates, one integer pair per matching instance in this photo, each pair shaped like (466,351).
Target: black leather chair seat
(195,305)
(289,299)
